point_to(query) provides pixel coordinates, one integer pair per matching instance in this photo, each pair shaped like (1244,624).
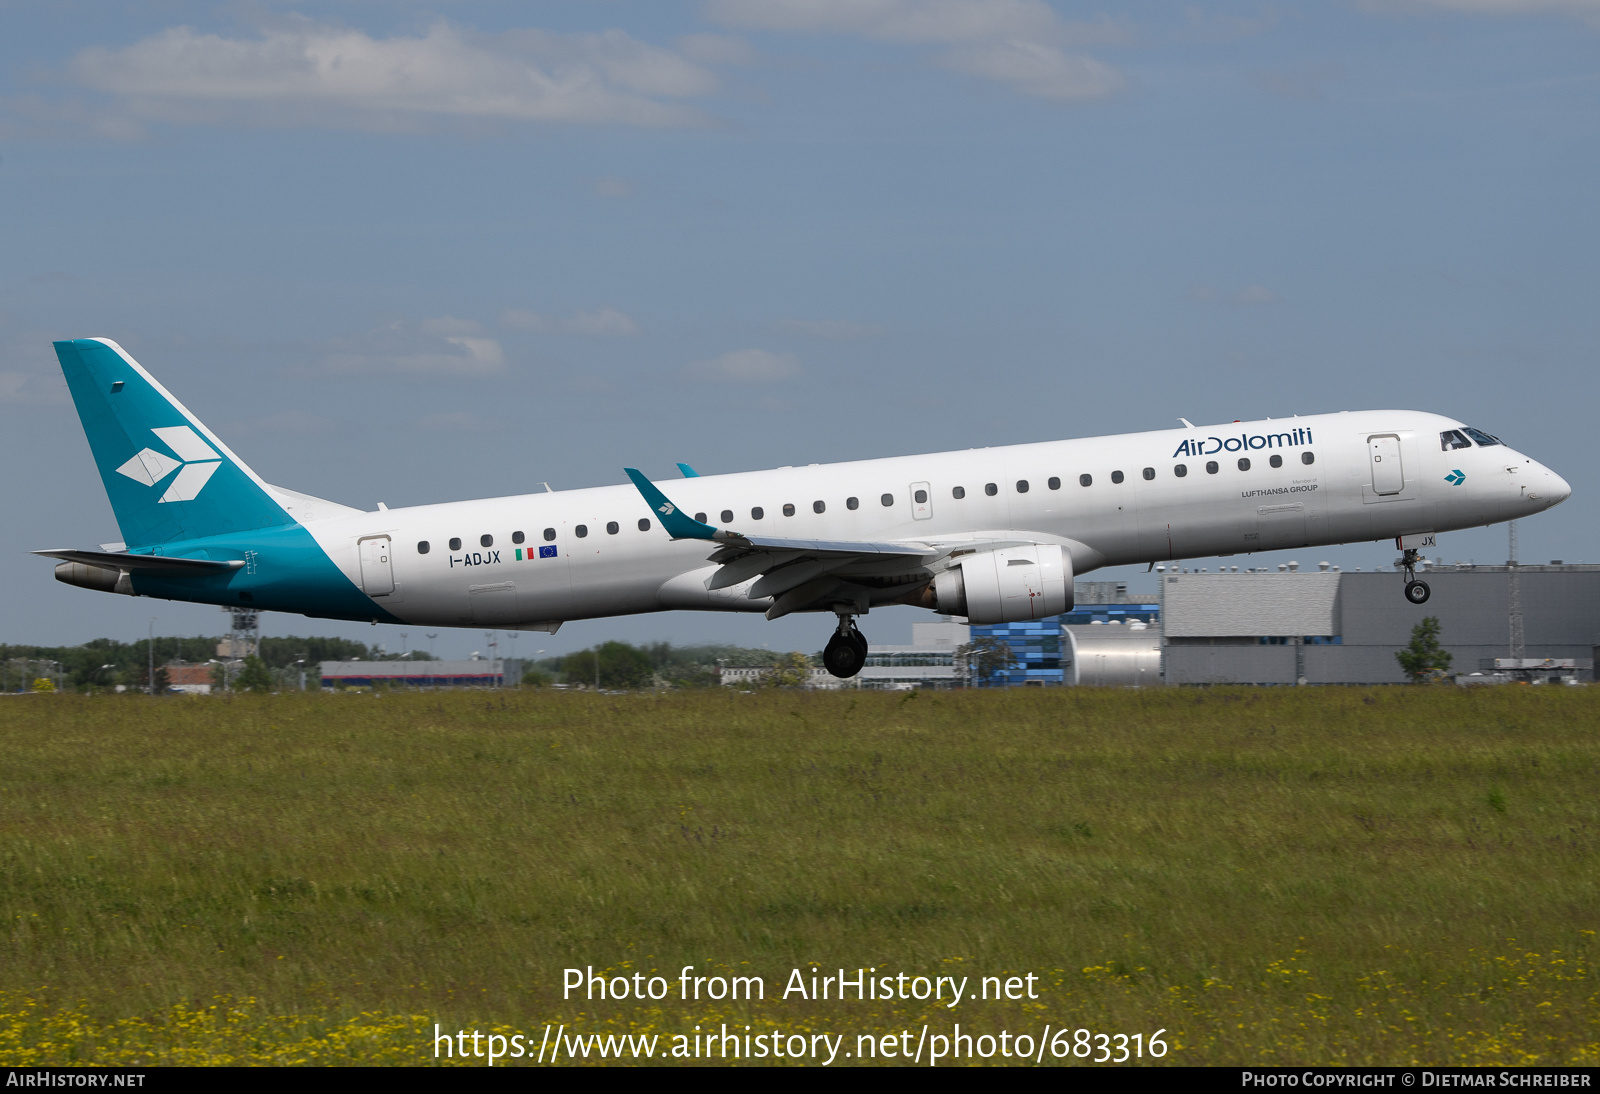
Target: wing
(802,574)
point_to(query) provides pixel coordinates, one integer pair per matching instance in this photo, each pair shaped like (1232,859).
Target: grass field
(1314,875)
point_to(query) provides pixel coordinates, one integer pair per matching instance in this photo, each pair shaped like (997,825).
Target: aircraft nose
(1557,489)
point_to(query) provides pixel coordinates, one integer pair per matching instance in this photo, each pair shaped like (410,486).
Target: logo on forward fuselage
(196,463)
(1456,477)
(1244,442)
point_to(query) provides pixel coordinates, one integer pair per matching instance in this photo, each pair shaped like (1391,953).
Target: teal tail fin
(167,475)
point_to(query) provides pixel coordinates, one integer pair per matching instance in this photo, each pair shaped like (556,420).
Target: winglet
(679,525)
(688,472)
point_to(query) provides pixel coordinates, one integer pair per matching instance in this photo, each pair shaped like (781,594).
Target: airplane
(992,535)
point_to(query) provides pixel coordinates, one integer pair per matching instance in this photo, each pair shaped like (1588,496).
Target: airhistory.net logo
(196,463)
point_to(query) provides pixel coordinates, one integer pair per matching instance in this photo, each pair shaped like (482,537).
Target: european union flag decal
(547,552)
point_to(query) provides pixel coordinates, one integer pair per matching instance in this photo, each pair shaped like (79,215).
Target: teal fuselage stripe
(285,570)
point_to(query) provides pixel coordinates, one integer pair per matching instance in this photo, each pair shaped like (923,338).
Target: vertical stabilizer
(168,477)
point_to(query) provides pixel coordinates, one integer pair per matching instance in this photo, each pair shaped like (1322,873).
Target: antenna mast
(1514,581)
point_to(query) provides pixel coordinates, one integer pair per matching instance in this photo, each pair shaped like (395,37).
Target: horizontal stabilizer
(170,567)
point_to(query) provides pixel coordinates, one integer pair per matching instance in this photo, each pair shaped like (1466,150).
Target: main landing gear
(846,651)
(1416,591)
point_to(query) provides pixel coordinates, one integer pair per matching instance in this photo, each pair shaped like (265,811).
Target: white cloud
(435,347)
(604,322)
(300,72)
(1021,43)
(1038,70)
(1583,9)
(716,49)
(836,330)
(746,366)
(914,21)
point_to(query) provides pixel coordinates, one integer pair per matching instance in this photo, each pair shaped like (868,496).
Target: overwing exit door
(921,501)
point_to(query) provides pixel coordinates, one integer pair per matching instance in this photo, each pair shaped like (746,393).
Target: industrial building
(422,674)
(1320,627)
(1345,628)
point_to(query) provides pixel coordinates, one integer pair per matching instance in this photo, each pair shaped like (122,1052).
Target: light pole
(431,637)
(151,668)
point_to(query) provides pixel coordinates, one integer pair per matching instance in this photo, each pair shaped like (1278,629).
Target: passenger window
(852,503)
(1085,480)
(644,524)
(1022,486)
(887,499)
(1054,483)
(517,537)
(727,516)
(757,513)
(581,531)
(991,489)
(422,547)
(1276,460)
(455,544)
(819,507)
(921,497)
(701,517)
(1211,467)
(1483,439)
(1116,476)
(1244,463)
(958,492)
(487,541)
(1308,457)
(1180,470)
(1451,439)
(611,528)
(788,509)
(1149,474)
(549,535)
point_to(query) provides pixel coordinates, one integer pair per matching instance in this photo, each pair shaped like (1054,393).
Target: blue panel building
(1036,644)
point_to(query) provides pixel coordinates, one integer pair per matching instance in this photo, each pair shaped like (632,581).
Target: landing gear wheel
(1418,592)
(844,655)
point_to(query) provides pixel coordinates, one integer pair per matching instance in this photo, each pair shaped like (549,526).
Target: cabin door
(377,572)
(1384,453)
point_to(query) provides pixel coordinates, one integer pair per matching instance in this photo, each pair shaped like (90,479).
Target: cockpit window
(1483,439)
(1451,439)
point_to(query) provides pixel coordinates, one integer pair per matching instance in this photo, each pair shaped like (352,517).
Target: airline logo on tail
(196,463)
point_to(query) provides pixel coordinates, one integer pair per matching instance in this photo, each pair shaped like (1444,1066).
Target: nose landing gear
(846,651)
(1417,592)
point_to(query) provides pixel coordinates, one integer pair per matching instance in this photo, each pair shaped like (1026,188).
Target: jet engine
(1008,585)
(99,578)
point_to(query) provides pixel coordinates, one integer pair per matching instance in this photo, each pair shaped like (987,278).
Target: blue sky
(413,253)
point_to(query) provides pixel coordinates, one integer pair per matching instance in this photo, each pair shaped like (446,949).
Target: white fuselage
(1351,491)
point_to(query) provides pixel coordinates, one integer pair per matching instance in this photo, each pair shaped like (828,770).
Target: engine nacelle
(1009,585)
(98,578)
